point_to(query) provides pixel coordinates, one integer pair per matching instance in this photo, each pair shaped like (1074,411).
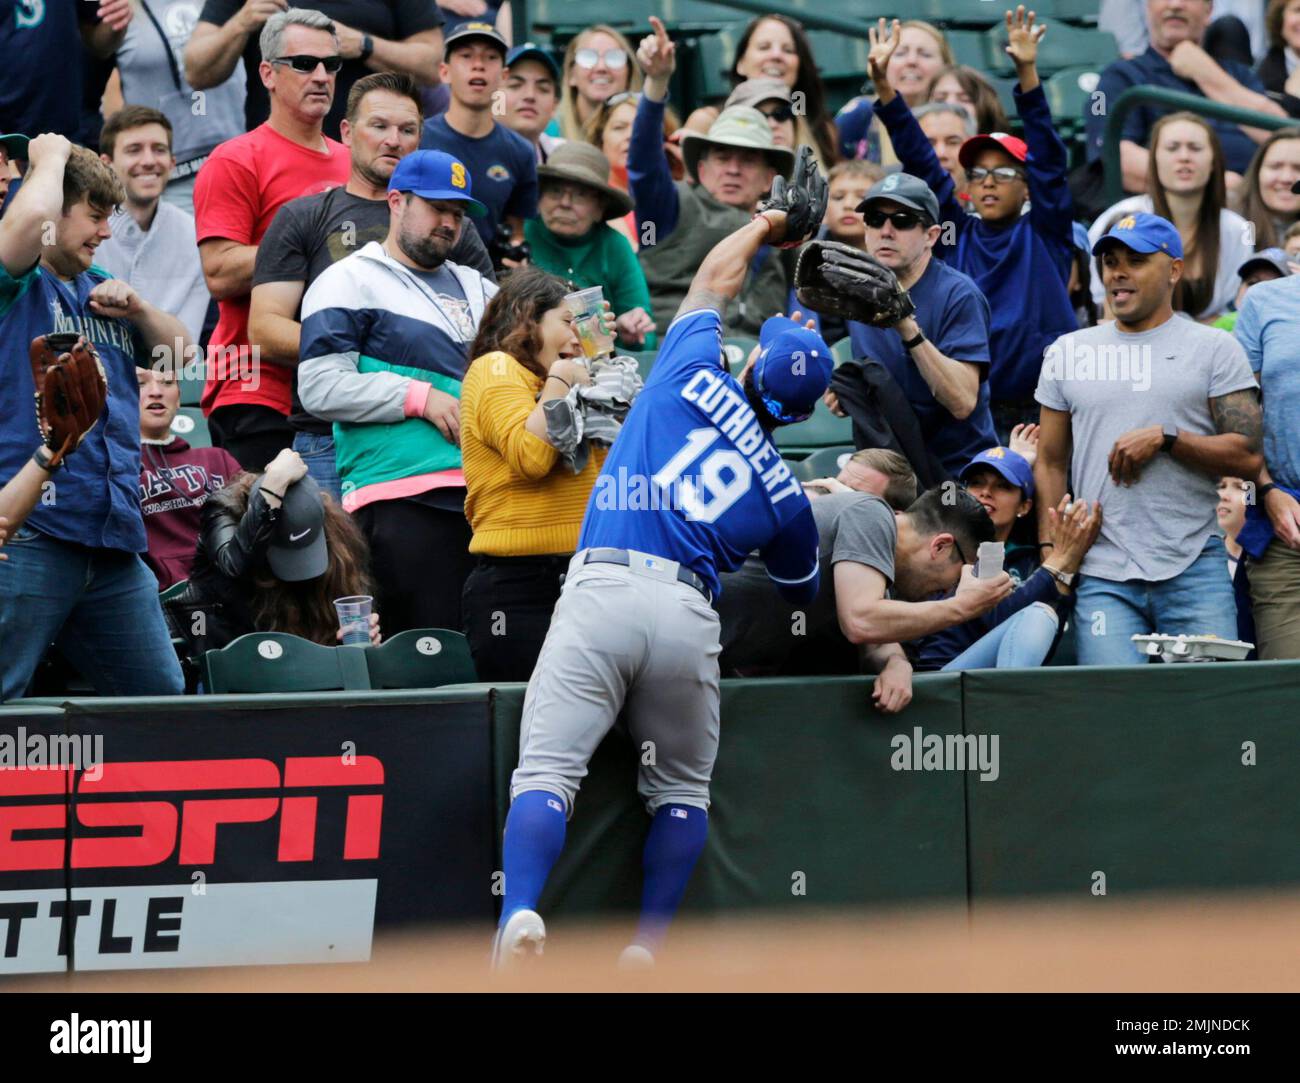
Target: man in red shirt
(239,189)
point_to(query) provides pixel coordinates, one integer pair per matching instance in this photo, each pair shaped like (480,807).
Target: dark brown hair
(1273,21)
(512,321)
(128,117)
(809,84)
(392,81)
(87,174)
(1192,295)
(306,608)
(989,114)
(1250,201)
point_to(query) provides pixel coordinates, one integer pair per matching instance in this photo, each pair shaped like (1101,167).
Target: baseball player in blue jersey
(691,486)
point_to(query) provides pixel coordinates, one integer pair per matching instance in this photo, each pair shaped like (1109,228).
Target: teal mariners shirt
(94,498)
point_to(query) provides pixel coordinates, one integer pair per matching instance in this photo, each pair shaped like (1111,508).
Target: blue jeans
(1197,601)
(1019,642)
(99,606)
(318,453)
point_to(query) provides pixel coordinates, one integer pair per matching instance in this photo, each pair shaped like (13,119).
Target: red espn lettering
(193,820)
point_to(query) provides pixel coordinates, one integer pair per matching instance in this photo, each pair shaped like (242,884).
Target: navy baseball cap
(486,31)
(1010,464)
(435,174)
(1143,233)
(793,370)
(15,146)
(530,50)
(1266,257)
(296,550)
(905,190)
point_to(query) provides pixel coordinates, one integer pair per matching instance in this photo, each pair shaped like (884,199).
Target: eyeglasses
(957,546)
(589,58)
(902,220)
(1004,174)
(307,64)
(783,112)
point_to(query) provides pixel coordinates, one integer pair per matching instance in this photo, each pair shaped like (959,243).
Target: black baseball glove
(803,198)
(839,280)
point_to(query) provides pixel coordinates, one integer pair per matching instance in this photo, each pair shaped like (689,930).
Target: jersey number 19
(706,496)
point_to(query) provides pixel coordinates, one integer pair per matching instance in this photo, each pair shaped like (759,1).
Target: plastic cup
(588,302)
(354,619)
(587,307)
(989,559)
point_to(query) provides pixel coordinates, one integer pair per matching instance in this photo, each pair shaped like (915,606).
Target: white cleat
(636,958)
(523,935)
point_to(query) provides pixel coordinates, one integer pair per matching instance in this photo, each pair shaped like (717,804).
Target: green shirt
(602,257)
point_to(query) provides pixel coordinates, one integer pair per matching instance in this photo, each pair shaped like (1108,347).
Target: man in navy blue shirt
(1175,60)
(74,574)
(502,163)
(939,356)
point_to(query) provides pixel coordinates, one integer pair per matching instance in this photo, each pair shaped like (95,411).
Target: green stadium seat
(190,424)
(821,430)
(967,47)
(421,658)
(843,351)
(1067,650)
(191,391)
(823,463)
(1069,93)
(1082,12)
(1064,46)
(645,361)
(949,13)
(279,662)
(738,350)
(174,591)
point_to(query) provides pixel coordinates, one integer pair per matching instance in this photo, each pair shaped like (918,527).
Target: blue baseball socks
(676,840)
(533,841)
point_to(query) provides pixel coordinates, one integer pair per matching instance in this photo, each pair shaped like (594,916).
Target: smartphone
(988,559)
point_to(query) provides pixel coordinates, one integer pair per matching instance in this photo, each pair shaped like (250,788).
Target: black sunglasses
(782,112)
(957,545)
(307,64)
(902,220)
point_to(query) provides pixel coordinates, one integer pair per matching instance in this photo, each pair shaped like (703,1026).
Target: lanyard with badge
(460,327)
(175,106)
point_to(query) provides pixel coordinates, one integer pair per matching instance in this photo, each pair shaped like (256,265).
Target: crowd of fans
(360,222)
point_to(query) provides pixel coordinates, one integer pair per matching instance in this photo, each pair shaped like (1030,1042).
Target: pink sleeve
(416,396)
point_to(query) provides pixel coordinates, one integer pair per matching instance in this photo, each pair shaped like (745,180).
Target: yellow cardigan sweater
(521,499)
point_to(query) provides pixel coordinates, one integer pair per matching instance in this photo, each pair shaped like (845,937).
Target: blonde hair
(855,167)
(570,122)
(945,50)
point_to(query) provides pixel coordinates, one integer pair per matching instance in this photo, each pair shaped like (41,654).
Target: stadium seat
(191,391)
(825,463)
(174,591)
(738,350)
(1067,649)
(843,351)
(645,361)
(1064,46)
(949,13)
(821,430)
(421,658)
(1069,93)
(1081,12)
(967,47)
(190,424)
(279,662)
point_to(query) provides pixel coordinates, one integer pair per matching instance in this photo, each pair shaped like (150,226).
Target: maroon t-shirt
(175,482)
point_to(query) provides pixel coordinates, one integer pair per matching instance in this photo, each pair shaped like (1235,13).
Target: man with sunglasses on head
(502,163)
(939,355)
(1020,260)
(239,189)
(373,35)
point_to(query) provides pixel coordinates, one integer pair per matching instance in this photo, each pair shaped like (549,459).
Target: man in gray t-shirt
(878,566)
(1142,415)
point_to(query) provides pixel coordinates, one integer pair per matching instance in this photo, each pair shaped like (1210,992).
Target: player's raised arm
(788,217)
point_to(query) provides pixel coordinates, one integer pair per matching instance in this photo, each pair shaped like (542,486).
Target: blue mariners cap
(1143,233)
(793,370)
(905,190)
(435,174)
(530,50)
(1010,464)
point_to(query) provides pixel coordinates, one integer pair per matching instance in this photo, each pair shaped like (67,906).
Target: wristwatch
(1066,579)
(913,343)
(44,458)
(1171,434)
(367,47)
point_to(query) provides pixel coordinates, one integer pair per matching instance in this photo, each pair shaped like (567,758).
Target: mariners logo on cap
(996,453)
(479,26)
(1126,223)
(891,182)
(457,175)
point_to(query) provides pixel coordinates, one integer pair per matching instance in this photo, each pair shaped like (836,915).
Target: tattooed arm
(1234,450)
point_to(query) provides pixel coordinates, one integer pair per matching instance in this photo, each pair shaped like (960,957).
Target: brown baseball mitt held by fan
(71,390)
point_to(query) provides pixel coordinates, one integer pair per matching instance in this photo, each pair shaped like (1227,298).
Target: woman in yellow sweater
(523,503)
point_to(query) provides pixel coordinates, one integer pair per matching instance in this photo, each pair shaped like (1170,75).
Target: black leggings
(508,605)
(420,557)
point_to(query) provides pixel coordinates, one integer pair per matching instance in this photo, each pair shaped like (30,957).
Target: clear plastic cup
(587,307)
(989,558)
(354,619)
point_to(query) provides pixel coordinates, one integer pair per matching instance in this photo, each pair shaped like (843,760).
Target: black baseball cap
(475,30)
(530,50)
(905,190)
(297,548)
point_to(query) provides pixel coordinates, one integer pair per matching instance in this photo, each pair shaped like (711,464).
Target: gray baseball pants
(624,638)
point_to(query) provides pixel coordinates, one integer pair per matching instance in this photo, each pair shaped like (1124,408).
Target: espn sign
(171,816)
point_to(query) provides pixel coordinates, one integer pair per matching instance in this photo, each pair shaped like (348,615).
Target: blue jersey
(692,476)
